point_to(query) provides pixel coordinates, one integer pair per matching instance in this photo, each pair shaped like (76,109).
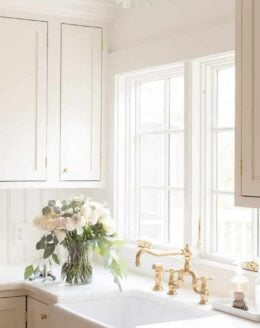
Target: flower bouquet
(84,228)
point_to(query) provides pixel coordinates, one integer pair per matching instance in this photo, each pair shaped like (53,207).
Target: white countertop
(11,279)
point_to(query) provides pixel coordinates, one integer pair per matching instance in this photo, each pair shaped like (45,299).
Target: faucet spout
(154,253)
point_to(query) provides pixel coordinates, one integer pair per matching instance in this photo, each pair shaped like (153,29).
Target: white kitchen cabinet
(12,312)
(23,68)
(248,103)
(38,315)
(81,58)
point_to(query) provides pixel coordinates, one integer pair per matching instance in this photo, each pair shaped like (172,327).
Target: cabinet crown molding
(96,10)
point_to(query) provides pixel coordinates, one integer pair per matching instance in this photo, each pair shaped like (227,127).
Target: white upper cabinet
(23,82)
(248,103)
(81,57)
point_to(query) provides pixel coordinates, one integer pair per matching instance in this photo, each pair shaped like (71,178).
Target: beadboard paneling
(18,208)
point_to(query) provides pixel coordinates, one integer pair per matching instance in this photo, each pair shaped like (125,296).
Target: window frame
(126,115)
(198,232)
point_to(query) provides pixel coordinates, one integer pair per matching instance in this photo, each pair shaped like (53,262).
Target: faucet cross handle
(159,271)
(174,281)
(203,290)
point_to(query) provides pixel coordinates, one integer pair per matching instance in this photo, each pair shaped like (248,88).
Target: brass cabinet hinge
(241,167)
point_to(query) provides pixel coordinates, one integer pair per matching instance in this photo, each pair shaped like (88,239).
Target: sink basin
(123,310)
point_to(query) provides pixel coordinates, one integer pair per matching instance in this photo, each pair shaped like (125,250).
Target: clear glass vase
(78,267)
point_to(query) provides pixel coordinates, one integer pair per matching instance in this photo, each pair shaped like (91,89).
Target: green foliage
(55,258)
(28,272)
(49,250)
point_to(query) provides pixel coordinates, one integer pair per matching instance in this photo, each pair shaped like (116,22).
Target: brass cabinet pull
(43,316)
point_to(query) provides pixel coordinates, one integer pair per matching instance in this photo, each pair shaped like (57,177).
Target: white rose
(80,221)
(45,223)
(108,224)
(86,211)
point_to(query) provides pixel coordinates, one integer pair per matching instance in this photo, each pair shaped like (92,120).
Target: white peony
(45,222)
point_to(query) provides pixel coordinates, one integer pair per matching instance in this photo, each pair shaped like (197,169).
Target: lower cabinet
(13,312)
(37,314)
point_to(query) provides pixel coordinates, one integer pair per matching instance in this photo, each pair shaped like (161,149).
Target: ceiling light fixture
(127,4)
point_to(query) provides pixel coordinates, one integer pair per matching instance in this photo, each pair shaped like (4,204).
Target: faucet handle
(204,291)
(144,243)
(173,281)
(159,271)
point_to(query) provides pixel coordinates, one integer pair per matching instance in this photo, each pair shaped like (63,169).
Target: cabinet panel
(12,312)
(248,103)
(23,67)
(38,314)
(81,58)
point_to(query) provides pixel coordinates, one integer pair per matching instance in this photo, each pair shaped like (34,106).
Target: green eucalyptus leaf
(49,250)
(49,237)
(56,209)
(41,243)
(51,203)
(55,258)
(28,271)
(36,270)
(46,210)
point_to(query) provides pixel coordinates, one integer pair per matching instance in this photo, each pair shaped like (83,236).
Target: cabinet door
(248,103)
(81,58)
(12,312)
(38,314)
(23,70)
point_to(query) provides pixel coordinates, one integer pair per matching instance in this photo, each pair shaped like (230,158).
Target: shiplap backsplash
(18,208)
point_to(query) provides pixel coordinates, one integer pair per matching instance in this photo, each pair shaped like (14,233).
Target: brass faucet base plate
(157,288)
(172,293)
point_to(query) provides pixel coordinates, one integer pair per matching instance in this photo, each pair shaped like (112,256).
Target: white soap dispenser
(257,295)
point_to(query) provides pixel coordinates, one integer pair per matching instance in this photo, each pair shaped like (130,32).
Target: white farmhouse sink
(122,310)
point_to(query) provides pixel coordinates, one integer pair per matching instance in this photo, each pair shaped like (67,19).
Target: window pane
(177,160)
(226,97)
(225,160)
(234,228)
(177,103)
(151,205)
(152,105)
(151,232)
(152,159)
(177,218)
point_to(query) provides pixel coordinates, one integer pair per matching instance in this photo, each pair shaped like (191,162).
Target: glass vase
(78,267)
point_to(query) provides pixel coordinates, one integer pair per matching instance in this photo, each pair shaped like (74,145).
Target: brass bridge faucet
(176,280)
